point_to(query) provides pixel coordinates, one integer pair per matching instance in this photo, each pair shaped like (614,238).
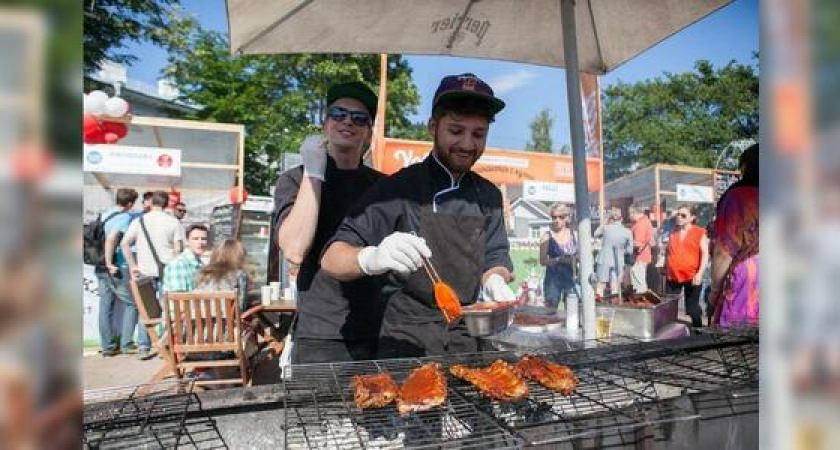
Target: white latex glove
(496,290)
(400,252)
(313,152)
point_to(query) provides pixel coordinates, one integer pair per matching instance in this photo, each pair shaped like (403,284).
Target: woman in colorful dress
(735,248)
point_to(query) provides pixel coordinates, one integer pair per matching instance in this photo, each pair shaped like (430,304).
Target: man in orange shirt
(688,254)
(642,231)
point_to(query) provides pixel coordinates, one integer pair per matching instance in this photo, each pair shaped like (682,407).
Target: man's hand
(400,252)
(313,152)
(112,269)
(135,272)
(697,280)
(496,290)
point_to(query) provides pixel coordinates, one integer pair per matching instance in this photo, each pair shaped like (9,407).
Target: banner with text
(130,159)
(499,166)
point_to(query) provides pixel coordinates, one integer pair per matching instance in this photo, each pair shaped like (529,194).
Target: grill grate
(148,416)
(320,413)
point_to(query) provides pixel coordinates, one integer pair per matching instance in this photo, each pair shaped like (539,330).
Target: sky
(731,33)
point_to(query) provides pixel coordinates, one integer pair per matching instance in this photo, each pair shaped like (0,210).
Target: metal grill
(320,413)
(144,416)
(604,403)
(625,386)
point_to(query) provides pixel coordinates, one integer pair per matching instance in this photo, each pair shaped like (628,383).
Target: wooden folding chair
(151,315)
(200,324)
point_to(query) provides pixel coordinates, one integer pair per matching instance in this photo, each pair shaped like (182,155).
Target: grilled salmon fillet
(423,389)
(374,391)
(551,375)
(498,381)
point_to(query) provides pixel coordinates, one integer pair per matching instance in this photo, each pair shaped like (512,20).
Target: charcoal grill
(629,392)
(144,416)
(624,386)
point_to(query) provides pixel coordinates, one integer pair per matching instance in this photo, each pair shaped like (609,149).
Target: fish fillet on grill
(498,380)
(423,389)
(374,391)
(551,375)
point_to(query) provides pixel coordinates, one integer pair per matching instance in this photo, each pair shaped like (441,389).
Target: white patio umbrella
(592,36)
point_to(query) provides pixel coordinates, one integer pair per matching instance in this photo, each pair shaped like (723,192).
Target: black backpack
(93,250)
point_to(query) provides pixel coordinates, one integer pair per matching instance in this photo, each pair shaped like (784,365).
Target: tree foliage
(540,140)
(685,118)
(109,24)
(279,98)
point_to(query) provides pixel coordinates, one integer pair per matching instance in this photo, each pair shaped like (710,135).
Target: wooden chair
(151,315)
(202,324)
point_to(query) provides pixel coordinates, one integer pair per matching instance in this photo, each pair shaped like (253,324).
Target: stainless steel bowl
(483,322)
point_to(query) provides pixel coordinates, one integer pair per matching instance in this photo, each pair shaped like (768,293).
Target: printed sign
(509,167)
(694,193)
(548,192)
(112,158)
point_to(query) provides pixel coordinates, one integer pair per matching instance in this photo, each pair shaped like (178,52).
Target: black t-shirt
(327,308)
(394,204)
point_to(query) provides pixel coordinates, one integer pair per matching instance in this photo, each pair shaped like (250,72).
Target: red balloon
(234,195)
(118,128)
(92,131)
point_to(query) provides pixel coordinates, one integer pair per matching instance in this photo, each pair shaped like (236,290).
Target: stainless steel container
(645,322)
(483,322)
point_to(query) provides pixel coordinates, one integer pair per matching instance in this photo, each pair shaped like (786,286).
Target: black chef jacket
(327,308)
(393,204)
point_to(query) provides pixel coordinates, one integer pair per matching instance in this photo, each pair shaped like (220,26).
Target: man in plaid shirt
(179,275)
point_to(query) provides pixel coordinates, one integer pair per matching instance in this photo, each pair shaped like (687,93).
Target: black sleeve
(373,217)
(496,245)
(285,193)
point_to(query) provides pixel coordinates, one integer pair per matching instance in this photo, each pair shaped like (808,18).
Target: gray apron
(413,326)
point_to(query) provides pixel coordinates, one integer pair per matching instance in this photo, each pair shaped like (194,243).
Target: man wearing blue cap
(335,321)
(437,209)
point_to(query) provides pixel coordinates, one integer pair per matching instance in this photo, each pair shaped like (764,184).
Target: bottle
(572,315)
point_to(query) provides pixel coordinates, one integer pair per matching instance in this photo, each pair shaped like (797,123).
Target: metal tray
(645,323)
(482,322)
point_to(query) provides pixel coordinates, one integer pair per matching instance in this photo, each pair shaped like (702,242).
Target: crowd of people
(716,265)
(358,240)
(152,242)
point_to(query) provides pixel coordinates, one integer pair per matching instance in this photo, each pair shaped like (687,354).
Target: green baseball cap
(355,90)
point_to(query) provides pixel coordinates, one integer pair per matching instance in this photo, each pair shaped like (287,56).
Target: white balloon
(116,107)
(95,102)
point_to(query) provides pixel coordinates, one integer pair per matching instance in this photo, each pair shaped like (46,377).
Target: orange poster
(500,166)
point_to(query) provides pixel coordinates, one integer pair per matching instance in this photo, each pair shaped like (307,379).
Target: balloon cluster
(98,108)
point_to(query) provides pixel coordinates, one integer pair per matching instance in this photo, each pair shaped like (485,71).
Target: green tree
(109,24)
(685,118)
(540,140)
(279,98)
(415,131)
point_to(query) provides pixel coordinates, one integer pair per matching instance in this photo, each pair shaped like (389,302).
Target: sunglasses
(559,217)
(359,118)
(182,211)
(682,215)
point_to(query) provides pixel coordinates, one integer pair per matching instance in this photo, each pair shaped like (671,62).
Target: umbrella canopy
(592,36)
(609,32)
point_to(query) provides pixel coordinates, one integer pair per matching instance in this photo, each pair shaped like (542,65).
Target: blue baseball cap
(467,85)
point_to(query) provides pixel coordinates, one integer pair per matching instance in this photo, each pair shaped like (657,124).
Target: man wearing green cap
(336,321)
(437,209)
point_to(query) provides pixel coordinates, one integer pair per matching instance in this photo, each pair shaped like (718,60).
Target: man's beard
(446,159)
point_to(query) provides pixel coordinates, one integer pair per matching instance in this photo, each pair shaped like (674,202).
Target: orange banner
(500,166)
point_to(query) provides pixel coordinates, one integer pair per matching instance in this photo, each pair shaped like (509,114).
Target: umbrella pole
(579,165)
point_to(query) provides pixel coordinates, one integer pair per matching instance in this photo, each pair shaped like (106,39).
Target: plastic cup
(603,322)
(265,292)
(275,291)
